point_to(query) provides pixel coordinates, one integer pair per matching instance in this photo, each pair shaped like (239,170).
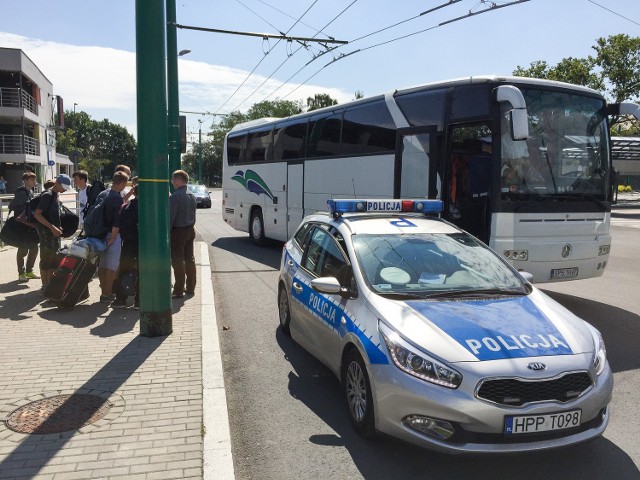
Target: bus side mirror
(624,108)
(519,124)
(518,116)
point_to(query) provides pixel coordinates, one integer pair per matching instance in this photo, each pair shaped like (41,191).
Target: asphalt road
(286,412)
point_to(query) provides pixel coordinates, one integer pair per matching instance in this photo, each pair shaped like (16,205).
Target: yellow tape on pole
(154,180)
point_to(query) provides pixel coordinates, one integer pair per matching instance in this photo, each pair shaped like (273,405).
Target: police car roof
(388,223)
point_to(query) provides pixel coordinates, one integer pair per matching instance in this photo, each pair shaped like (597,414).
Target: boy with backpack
(18,205)
(127,226)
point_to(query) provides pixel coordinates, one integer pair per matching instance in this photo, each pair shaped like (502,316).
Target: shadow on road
(268,255)
(384,457)
(620,328)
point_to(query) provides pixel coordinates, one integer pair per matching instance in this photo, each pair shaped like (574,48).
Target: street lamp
(74,108)
(183,52)
(200,151)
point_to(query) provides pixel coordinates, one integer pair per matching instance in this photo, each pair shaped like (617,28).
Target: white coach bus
(523,164)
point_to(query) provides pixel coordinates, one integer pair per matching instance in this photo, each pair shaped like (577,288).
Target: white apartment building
(30,115)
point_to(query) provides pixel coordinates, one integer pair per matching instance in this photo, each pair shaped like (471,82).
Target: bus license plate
(564,272)
(542,423)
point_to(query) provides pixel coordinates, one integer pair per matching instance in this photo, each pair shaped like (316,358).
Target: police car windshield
(424,264)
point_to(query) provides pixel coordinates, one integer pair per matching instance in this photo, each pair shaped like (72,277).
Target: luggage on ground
(70,281)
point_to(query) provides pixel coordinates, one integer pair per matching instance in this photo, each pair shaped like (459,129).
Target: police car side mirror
(326,285)
(528,277)
(331,285)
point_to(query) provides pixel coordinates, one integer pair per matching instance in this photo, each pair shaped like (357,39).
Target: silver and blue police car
(435,338)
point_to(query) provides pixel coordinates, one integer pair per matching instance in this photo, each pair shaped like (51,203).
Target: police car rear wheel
(357,392)
(257,226)
(283,310)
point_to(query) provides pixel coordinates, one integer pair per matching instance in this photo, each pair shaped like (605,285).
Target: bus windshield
(566,155)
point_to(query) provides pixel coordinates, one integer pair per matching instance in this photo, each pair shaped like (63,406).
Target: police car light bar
(368,205)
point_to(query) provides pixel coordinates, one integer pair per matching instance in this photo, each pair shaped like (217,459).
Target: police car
(435,338)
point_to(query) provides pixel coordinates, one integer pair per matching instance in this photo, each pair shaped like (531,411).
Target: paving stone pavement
(154,428)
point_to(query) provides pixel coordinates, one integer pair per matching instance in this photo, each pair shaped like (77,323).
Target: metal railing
(17,98)
(20,144)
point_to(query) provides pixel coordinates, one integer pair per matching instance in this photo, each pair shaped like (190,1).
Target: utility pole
(172,86)
(200,152)
(154,258)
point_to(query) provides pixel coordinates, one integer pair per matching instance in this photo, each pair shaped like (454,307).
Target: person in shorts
(110,258)
(47,215)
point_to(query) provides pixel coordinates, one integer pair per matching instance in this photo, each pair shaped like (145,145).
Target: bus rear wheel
(256,227)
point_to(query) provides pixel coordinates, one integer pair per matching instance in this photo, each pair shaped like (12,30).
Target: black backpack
(30,208)
(93,191)
(95,224)
(129,221)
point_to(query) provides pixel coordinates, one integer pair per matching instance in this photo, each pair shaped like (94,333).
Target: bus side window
(288,140)
(367,129)
(235,146)
(324,135)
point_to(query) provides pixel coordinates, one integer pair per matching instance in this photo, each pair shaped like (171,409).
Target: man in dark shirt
(48,216)
(110,258)
(182,206)
(30,250)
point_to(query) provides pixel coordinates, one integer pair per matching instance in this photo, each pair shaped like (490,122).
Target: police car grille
(516,392)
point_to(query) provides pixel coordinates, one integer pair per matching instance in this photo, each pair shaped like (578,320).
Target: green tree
(320,100)
(614,71)
(101,144)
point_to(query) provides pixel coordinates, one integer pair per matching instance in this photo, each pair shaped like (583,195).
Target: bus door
(416,163)
(468,179)
(295,204)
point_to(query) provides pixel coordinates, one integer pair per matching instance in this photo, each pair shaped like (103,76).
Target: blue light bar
(374,205)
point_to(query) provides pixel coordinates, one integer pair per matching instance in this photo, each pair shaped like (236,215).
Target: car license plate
(564,272)
(542,423)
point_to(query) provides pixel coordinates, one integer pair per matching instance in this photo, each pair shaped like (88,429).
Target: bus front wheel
(257,227)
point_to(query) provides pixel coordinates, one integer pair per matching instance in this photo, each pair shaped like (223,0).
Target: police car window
(301,235)
(324,258)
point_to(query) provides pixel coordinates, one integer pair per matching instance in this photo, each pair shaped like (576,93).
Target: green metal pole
(172,85)
(154,257)
(200,153)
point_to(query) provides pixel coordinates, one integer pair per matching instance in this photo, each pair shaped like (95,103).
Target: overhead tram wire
(470,14)
(438,7)
(615,13)
(264,56)
(293,18)
(293,53)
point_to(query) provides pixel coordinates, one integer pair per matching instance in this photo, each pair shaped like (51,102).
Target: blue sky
(86,47)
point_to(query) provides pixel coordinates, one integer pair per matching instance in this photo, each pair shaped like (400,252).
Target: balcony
(20,144)
(17,98)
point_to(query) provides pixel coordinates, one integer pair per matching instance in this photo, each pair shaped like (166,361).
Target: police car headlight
(417,363)
(600,353)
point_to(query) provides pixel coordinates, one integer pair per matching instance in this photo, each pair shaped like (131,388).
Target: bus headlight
(604,249)
(418,364)
(516,254)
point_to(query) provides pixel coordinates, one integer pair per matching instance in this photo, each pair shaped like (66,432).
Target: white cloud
(102,81)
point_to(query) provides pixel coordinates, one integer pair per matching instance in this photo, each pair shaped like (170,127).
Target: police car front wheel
(357,391)
(283,309)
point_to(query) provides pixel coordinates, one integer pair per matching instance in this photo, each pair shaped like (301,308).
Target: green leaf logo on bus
(252,182)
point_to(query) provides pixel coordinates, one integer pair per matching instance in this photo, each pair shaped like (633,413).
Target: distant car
(436,339)
(202,195)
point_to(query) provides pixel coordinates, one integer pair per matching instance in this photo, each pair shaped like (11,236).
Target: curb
(217,458)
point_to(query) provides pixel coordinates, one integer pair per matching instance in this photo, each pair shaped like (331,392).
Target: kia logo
(566,251)
(536,366)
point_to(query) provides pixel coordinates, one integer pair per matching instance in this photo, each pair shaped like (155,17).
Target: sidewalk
(110,404)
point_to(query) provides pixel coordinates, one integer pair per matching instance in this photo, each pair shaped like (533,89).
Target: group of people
(119,213)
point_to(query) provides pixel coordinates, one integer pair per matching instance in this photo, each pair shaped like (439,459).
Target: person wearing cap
(48,216)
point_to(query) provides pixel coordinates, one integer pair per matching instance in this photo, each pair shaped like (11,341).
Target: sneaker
(119,303)
(107,298)
(177,295)
(190,293)
(22,278)
(31,276)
